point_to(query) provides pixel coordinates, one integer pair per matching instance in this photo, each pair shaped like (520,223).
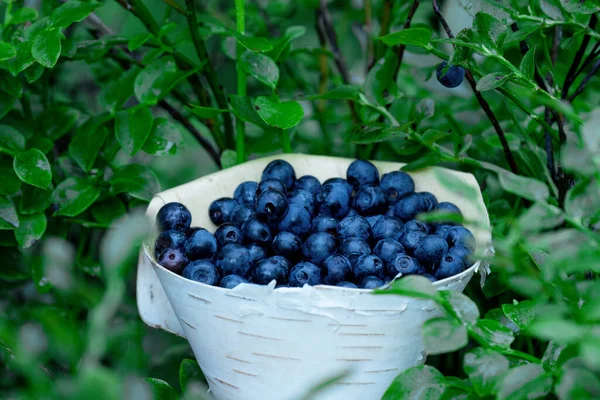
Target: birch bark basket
(257,342)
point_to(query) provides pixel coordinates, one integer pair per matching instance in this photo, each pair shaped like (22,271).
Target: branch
(484,104)
(400,50)
(570,77)
(585,81)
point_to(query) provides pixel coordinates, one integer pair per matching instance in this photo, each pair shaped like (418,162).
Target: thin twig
(484,104)
(400,49)
(570,77)
(556,44)
(585,81)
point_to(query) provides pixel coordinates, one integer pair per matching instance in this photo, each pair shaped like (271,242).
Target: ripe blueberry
(305,199)
(453,77)
(234,259)
(369,200)
(347,284)
(270,184)
(367,265)
(387,227)
(410,205)
(220,210)
(173,216)
(336,268)
(241,214)
(370,282)
(405,265)
(372,219)
(173,259)
(341,182)
(430,250)
(282,170)
(169,239)
(396,184)
(334,200)
(416,225)
(308,183)
(257,253)
(459,235)
(256,231)
(410,240)
(450,265)
(287,244)
(354,226)
(387,249)
(228,233)
(463,252)
(245,193)
(325,223)
(304,273)
(271,205)
(430,200)
(318,247)
(362,172)
(296,220)
(201,245)
(192,229)
(441,229)
(202,271)
(231,281)
(354,248)
(268,269)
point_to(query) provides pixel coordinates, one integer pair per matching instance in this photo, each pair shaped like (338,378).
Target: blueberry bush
(104,103)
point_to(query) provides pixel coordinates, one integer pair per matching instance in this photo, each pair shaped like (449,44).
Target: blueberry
(318,247)
(387,227)
(346,284)
(201,245)
(441,229)
(268,269)
(284,262)
(450,265)
(202,271)
(430,250)
(354,226)
(228,233)
(281,170)
(416,225)
(367,265)
(241,214)
(305,199)
(245,193)
(296,220)
(395,185)
(334,200)
(256,231)
(173,259)
(362,172)
(336,268)
(405,265)
(287,244)
(271,206)
(169,239)
(410,240)
(257,253)
(231,281)
(429,276)
(270,184)
(173,216)
(410,205)
(459,235)
(325,223)
(221,209)
(370,200)
(308,183)
(463,252)
(430,200)
(372,219)
(387,249)
(390,212)
(234,259)
(453,76)
(370,282)
(449,207)
(340,182)
(304,273)
(351,212)
(354,248)
(193,229)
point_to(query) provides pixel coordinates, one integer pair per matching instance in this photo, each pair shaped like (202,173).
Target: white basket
(257,342)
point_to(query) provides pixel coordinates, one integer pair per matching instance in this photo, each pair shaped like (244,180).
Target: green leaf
(539,217)
(364,134)
(156,80)
(413,36)
(33,167)
(10,84)
(7,51)
(72,11)
(380,87)
(115,93)
(244,109)
(33,73)
(6,103)
(342,92)
(161,390)
(552,8)
(577,383)
(132,128)
(10,182)
(108,210)
(558,329)
(416,383)
(491,332)
(260,67)
(413,286)
(137,180)
(485,368)
(34,200)
(431,136)
(580,6)
(228,158)
(583,199)
(31,229)
(205,112)
(462,53)
(464,307)
(492,81)
(57,121)
(444,335)
(525,382)
(255,44)
(73,196)
(46,47)
(189,371)
(165,138)
(23,14)
(528,188)
(425,161)
(11,139)
(8,214)
(41,143)
(521,313)
(527,66)
(279,115)
(88,141)
(138,41)
(291,33)
(490,31)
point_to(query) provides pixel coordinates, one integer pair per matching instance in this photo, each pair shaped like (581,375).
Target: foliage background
(103,104)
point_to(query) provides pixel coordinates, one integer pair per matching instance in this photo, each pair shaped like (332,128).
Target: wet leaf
(32,167)
(73,196)
(283,115)
(260,67)
(31,229)
(132,127)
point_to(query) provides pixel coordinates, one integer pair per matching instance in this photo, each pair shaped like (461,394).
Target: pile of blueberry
(358,232)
